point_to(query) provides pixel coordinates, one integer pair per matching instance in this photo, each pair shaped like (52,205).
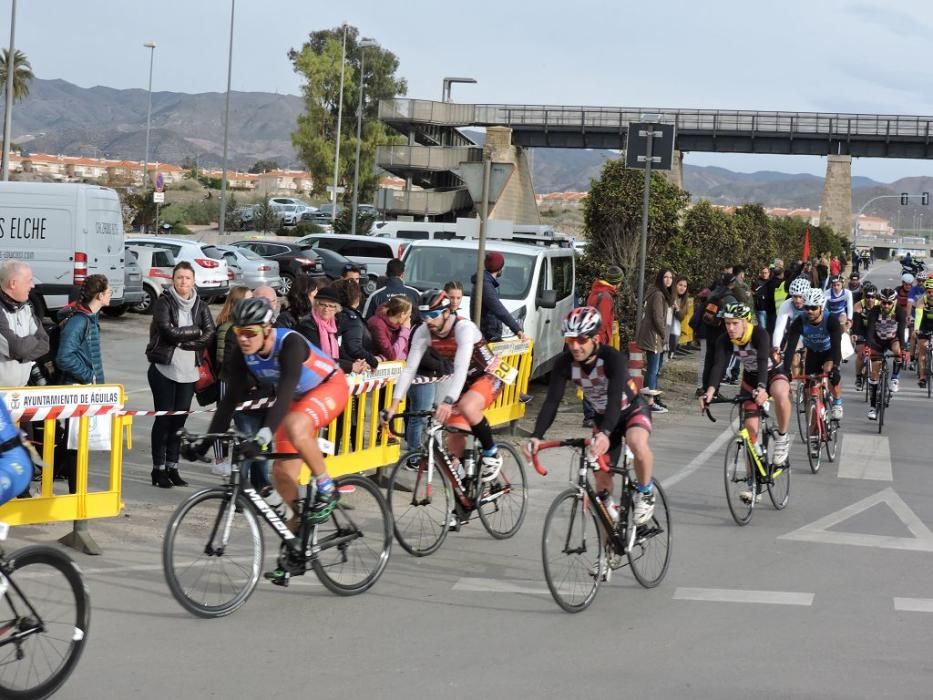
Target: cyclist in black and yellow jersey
(924,329)
(886,324)
(860,328)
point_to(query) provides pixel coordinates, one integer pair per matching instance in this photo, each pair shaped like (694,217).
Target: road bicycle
(821,429)
(748,469)
(928,365)
(583,542)
(884,395)
(212,553)
(428,495)
(45,614)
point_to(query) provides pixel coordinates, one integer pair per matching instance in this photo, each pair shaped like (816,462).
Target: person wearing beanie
(493,314)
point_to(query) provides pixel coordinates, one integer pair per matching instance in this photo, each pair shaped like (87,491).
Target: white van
(537,286)
(65,232)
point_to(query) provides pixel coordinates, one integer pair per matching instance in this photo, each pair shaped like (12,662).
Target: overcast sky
(807,55)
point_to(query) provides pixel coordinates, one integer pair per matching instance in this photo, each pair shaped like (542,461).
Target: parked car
(256,270)
(374,253)
(210,269)
(293,259)
(243,216)
(321,216)
(132,286)
(335,263)
(300,207)
(287,214)
(156,265)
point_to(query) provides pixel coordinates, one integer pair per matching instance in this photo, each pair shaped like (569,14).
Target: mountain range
(60,117)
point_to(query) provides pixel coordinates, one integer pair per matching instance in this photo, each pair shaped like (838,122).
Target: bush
(303,229)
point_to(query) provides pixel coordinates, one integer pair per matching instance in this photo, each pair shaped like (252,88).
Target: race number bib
(502,371)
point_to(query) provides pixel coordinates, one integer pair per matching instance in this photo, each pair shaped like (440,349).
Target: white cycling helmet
(815,297)
(922,275)
(582,322)
(907,278)
(799,287)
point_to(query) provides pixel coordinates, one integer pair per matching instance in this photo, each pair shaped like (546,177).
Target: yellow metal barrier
(45,404)
(507,406)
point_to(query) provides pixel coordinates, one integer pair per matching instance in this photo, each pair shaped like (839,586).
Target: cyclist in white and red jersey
(469,390)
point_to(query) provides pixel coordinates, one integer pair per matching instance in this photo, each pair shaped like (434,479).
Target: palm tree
(22,73)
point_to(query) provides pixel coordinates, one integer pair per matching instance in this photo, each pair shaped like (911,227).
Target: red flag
(806,244)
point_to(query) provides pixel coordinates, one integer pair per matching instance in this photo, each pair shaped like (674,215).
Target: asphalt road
(831,597)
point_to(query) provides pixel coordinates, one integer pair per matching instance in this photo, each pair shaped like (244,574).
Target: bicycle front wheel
(801,404)
(357,539)
(421,508)
(44,621)
(814,437)
(832,439)
(212,553)
(504,501)
(881,402)
(779,487)
(650,553)
(928,368)
(571,549)
(740,482)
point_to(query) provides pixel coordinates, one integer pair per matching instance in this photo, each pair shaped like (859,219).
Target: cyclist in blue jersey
(839,302)
(15,458)
(821,334)
(311,391)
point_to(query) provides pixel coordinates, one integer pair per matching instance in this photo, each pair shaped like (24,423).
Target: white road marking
(818,531)
(914,604)
(491,585)
(727,595)
(700,459)
(865,457)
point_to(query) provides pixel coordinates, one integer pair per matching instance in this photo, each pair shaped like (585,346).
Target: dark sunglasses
(812,308)
(247,331)
(575,340)
(428,315)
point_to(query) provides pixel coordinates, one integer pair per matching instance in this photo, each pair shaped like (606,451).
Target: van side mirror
(547,299)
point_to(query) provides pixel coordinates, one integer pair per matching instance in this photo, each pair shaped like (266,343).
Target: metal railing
(435,158)
(714,121)
(422,202)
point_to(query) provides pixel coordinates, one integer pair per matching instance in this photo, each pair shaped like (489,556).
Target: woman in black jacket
(356,342)
(181,328)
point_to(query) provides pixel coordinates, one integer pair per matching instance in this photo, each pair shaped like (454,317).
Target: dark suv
(293,259)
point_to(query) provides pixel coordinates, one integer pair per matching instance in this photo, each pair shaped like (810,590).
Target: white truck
(65,232)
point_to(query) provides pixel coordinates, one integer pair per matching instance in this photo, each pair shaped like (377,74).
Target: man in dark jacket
(765,307)
(493,314)
(394,286)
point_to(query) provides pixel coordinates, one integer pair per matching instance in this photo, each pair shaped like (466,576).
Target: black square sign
(662,147)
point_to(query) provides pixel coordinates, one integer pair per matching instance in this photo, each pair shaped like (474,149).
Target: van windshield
(432,268)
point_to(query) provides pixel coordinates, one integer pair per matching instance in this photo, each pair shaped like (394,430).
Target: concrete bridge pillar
(676,173)
(836,207)
(517,202)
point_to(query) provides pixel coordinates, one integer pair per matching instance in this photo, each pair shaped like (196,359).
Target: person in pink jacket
(390,327)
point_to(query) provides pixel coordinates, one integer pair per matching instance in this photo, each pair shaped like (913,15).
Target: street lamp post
(343,65)
(8,107)
(364,44)
(151,46)
(223,176)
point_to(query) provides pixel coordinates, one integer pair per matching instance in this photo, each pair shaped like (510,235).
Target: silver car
(257,271)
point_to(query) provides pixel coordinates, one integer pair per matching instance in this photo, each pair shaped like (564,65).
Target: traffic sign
(340,190)
(472,175)
(158,197)
(662,146)
(159,183)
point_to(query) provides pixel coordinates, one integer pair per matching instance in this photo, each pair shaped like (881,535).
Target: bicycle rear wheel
(929,367)
(572,551)
(212,553)
(779,488)
(650,554)
(881,403)
(814,436)
(420,508)
(832,439)
(504,501)
(44,621)
(739,482)
(357,539)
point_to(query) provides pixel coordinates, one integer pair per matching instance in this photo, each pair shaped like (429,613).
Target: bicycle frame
(745,436)
(37,626)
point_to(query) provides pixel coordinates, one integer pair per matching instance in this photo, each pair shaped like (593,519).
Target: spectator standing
(268,293)
(350,271)
(390,328)
(835,266)
(602,297)
(493,315)
(711,318)
(394,286)
(679,298)
(356,342)
(79,358)
(822,271)
(652,332)
(765,308)
(23,339)
(181,329)
(299,299)
(454,290)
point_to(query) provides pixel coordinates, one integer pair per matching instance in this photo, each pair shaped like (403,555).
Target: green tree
(708,242)
(22,73)
(755,230)
(612,222)
(262,166)
(264,217)
(318,61)
(344,220)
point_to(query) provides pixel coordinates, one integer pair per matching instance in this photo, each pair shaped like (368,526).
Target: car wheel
(287,282)
(115,311)
(149,300)
(370,285)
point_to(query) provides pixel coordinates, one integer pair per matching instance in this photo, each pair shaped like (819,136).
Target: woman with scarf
(652,334)
(181,329)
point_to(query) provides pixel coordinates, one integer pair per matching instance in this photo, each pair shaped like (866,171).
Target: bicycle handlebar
(383,417)
(570,442)
(738,398)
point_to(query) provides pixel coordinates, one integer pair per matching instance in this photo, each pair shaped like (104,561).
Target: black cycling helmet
(255,311)
(887,295)
(434,300)
(869,290)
